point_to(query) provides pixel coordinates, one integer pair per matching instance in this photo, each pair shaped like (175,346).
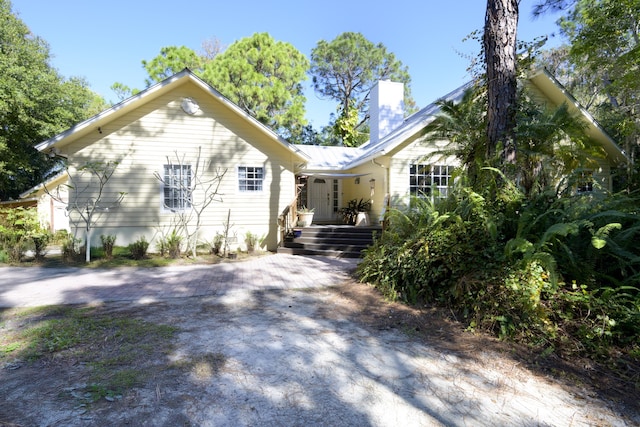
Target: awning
(334,175)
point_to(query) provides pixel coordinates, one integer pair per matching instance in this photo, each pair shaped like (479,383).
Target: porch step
(330,240)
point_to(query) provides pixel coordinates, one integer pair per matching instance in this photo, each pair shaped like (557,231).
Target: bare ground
(333,356)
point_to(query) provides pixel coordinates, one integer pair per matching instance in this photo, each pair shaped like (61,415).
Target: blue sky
(105,42)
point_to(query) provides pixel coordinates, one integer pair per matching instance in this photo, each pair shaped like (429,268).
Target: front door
(323,197)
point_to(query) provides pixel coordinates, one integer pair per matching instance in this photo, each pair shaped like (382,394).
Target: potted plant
(350,213)
(305,216)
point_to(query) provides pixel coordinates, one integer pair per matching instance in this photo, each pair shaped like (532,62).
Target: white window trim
(163,207)
(264,179)
(442,190)
(587,176)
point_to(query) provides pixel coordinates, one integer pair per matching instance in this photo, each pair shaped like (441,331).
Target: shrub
(503,264)
(40,242)
(138,249)
(59,236)
(251,241)
(21,230)
(174,244)
(216,243)
(108,241)
(72,249)
(15,246)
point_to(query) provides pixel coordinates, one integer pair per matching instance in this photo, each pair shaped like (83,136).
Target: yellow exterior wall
(360,188)
(143,139)
(413,151)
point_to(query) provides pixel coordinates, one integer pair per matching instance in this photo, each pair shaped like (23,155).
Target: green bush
(174,244)
(20,231)
(108,242)
(252,241)
(72,249)
(216,243)
(559,273)
(138,249)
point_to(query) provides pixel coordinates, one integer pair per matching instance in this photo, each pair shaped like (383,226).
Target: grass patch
(118,349)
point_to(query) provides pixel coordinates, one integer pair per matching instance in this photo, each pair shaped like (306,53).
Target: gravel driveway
(294,356)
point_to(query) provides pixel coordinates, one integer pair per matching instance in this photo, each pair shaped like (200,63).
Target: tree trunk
(501,22)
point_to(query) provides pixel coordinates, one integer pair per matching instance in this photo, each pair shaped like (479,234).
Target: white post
(87,255)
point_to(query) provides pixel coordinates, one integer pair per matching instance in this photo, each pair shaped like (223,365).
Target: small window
(585,182)
(425,181)
(177,187)
(250,178)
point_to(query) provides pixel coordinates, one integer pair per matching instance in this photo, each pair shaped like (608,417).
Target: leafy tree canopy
(346,68)
(261,75)
(172,59)
(35,104)
(264,77)
(601,62)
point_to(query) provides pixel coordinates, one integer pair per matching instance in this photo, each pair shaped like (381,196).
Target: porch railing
(288,219)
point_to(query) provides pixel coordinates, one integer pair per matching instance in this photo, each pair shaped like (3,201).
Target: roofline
(405,131)
(589,118)
(185,73)
(42,184)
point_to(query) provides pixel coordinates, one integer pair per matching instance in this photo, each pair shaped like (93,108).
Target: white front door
(323,197)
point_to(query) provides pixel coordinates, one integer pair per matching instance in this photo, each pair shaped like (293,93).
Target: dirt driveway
(326,356)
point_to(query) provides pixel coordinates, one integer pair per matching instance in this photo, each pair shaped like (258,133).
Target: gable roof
(558,94)
(149,94)
(51,182)
(345,158)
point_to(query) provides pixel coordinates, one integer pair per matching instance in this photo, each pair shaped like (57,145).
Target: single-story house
(52,211)
(156,135)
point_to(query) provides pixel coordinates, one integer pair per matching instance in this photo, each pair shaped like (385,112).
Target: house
(158,133)
(52,213)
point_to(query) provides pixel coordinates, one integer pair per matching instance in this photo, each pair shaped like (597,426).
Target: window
(585,182)
(177,187)
(250,178)
(425,181)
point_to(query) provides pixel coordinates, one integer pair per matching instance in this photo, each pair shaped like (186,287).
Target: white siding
(412,152)
(143,140)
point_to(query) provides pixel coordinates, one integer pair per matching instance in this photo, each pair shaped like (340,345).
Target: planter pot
(362,220)
(305,219)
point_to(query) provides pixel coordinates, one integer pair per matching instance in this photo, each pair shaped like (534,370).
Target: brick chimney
(386,109)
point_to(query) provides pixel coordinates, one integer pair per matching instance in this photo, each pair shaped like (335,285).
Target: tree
(345,127)
(501,22)
(345,69)
(604,38)
(601,63)
(35,104)
(264,77)
(172,59)
(195,192)
(85,196)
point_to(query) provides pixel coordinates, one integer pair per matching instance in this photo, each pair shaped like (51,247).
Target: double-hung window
(585,182)
(427,181)
(177,187)
(250,178)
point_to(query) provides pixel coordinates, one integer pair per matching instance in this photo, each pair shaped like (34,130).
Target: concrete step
(329,240)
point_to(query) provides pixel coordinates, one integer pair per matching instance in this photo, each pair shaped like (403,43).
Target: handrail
(287,219)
